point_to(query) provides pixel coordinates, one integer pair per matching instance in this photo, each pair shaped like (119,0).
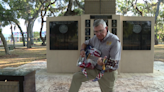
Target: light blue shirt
(110,46)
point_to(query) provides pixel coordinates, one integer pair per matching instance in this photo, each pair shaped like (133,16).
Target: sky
(36,28)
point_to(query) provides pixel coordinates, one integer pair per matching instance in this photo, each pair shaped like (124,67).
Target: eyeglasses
(100,31)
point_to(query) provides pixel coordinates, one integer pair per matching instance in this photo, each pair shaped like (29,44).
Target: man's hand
(82,53)
(100,62)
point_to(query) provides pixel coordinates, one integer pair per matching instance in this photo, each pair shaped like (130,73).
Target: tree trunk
(156,14)
(42,17)
(157,11)
(159,37)
(23,39)
(31,32)
(68,12)
(12,36)
(28,35)
(156,40)
(31,36)
(43,39)
(4,44)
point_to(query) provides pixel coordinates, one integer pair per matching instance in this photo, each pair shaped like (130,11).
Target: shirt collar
(107,35)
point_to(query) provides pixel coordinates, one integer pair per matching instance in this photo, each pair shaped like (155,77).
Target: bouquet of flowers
(90,59)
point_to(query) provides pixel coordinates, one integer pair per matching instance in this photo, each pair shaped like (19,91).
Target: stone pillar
(100,7)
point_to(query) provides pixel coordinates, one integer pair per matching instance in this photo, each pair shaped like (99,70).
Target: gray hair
(99,22)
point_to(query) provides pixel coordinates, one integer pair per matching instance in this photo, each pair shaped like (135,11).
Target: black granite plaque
(106,20)
(136,35)
(114,23)
(100,16)
(114,31)
(87,31)
(64,35)
(87,38)
(87,23)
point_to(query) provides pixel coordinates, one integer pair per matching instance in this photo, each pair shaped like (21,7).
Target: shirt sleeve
(115,52)
(90,41)
(87,42)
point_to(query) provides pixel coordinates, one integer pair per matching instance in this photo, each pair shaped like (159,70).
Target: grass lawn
(22,55)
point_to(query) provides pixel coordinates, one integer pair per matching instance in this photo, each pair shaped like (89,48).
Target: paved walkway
(126,82)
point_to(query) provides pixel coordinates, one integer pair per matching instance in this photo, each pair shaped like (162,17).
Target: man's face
(100,32)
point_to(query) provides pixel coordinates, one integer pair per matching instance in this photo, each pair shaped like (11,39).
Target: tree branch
(135,6)
(69,8)
(35,15)
(79,5)
(60,8)
(48,6)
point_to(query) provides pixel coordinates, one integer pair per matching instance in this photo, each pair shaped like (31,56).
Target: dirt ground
(21,55)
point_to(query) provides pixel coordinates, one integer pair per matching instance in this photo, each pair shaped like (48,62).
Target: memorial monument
(65,35)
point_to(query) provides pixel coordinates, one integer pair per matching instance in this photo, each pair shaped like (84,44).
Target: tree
(160,28)
(5,17)
(21,31)
(16,7)
(133,6)
(156,14)
(122,7)
(44,9)
(28,10)
(4,42)
(48,9)
(12,36)
(78,7)
(32,11)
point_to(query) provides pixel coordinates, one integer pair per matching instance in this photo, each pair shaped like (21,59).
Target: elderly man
(110,47)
